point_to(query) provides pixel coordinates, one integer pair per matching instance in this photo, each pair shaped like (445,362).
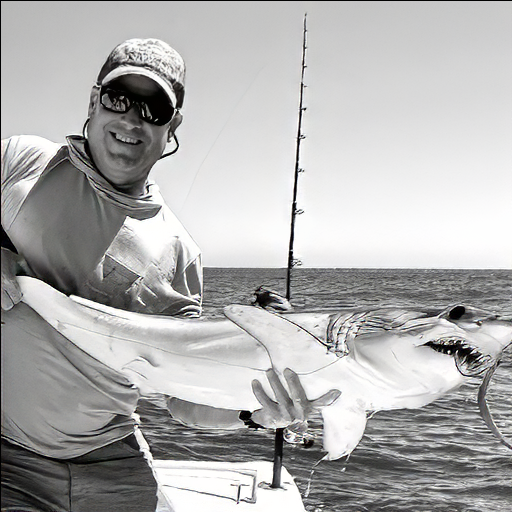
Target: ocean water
(438,458)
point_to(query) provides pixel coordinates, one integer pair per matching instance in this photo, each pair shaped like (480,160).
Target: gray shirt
(83,237)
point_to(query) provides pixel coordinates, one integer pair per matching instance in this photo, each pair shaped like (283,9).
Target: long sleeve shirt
(82,236)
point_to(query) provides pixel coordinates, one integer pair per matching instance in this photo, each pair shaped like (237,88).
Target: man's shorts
(115,478)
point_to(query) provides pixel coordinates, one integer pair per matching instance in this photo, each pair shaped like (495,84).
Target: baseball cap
(152,58)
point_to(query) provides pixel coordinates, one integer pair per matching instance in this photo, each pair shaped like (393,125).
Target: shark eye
(457,312)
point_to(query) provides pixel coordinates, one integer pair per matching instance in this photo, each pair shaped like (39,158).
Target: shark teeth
(469,360)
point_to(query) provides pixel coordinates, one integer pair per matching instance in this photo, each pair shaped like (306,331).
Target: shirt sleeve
(203,416)
(187,275)
(24,155)
(24,158)
(189,283)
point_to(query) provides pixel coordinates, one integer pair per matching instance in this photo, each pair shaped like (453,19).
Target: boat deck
(224,486)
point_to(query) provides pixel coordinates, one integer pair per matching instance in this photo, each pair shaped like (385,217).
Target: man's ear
(93,99)
(175,122)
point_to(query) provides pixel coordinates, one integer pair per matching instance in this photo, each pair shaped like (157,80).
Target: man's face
(123,146)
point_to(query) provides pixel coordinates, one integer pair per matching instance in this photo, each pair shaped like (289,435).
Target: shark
(381,358)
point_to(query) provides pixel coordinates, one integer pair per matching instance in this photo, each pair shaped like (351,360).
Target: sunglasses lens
(153,112)
(158,115)
(115,101)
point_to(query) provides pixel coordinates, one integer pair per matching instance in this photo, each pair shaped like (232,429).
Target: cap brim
(135,70)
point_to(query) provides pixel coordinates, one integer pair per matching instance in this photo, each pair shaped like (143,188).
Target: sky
(408,148)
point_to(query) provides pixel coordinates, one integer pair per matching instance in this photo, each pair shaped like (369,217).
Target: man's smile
(125,139)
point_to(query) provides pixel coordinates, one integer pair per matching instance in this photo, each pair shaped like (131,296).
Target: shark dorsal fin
(285,341)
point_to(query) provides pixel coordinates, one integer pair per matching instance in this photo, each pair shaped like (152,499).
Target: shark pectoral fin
(285,341)
(344,425)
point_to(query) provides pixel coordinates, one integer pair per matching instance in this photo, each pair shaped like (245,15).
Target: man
(85,218)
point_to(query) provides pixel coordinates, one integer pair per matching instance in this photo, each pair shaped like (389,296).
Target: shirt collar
(140,207)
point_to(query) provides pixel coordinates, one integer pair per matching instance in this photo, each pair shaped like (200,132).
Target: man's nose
(133,116)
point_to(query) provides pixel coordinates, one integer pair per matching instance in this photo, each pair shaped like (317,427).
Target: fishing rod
(292,262)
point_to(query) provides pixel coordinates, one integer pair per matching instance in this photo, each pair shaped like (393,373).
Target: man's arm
(288,407)
(187,287)
(11,293)
(12,265)
(23,159)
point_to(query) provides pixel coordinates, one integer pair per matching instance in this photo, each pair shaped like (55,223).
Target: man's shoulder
(33,143)
(22,154)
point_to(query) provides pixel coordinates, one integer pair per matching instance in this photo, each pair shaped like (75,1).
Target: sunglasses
(153,111)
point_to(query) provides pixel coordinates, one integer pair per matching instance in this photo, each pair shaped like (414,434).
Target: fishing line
(310,479)
(484,408)
(219,134)
(308,488)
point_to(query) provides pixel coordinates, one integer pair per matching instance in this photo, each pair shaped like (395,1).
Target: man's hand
(11,293)
(290,407)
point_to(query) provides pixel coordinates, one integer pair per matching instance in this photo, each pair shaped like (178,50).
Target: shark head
(409,358)
(485,335)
